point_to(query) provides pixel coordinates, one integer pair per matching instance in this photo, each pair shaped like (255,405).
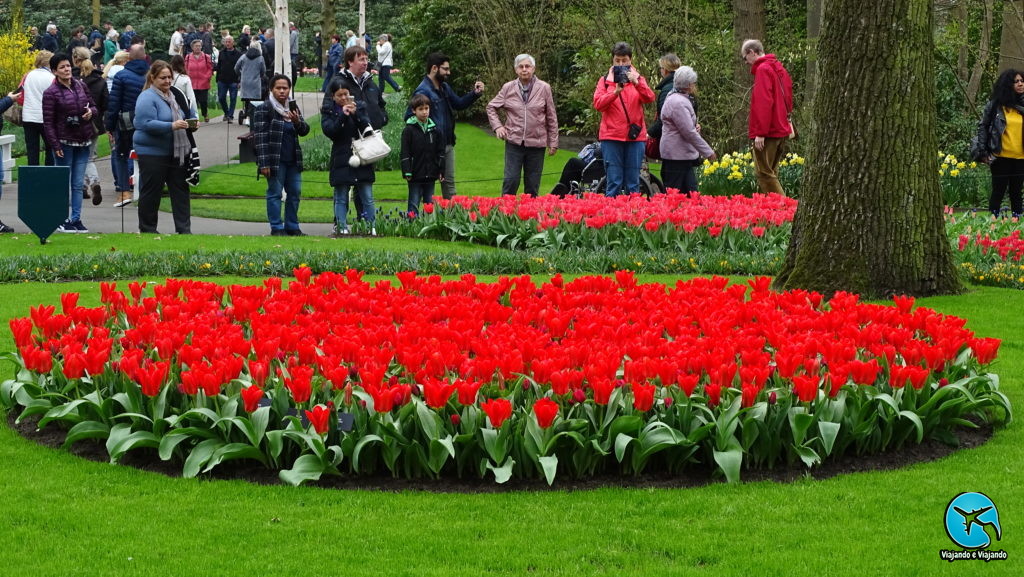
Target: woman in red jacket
(619,97)
(199,67)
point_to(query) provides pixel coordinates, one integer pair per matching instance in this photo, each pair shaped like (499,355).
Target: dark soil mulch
(696,476)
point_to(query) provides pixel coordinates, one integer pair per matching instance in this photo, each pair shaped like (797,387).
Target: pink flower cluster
(753,213)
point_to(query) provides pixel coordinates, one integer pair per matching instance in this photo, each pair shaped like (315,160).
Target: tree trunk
(870,217)
(95,12)
(814,17)
(747,22)
(328,28)
(1011,46)
(981,61)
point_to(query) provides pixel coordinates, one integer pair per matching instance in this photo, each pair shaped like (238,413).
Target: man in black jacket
(227,78)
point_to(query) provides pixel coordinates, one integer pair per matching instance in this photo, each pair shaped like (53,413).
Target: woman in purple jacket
(530,127)
(682,146)
(67,126)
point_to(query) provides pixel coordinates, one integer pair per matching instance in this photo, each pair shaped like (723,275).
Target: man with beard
(443,103)
(227,78)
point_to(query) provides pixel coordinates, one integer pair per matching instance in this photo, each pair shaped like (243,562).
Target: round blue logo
(972,521)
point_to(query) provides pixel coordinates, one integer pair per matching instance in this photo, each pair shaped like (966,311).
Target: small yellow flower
(954,172)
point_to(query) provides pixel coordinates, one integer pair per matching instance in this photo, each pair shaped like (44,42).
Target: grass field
(65,516)
(480,163)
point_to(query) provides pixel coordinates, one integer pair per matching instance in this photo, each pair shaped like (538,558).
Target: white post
(282,44)
(7,162)
(362,23)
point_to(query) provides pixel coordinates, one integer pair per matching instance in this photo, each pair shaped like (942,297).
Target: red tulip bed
(422,377)
(737,224)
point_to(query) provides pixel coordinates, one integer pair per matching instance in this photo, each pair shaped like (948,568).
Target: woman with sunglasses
(1000,141)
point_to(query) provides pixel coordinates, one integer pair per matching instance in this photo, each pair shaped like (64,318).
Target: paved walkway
(217,144)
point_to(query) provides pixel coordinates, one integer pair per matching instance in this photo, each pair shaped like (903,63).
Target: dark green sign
(44,194)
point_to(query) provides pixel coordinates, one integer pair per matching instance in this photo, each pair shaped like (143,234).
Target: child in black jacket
(422,154)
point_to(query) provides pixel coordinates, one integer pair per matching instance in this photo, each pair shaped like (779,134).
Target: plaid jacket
(268,130)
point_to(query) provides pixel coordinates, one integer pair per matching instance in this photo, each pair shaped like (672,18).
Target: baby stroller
(586,174)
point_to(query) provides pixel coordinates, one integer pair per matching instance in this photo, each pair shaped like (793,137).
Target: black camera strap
(624,111)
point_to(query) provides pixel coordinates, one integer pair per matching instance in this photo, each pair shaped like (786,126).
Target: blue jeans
(420,191)
(120,164)
(77,157)
(364,190)
(385,76)
(622,160)
(223,89)
(285,177)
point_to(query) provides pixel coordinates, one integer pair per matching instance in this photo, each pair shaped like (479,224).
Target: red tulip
(251,397)
(545,410)
(643,397)
(455,419)
(299,384)
(437,392)
(497,410)
(319,417)
(805,387)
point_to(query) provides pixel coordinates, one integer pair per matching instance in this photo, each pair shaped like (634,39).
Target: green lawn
(65,516)
(479,158)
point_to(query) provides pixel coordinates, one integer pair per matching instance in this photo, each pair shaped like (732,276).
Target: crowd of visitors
(96,83)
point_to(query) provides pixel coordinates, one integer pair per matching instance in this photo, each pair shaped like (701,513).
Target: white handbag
(368,148)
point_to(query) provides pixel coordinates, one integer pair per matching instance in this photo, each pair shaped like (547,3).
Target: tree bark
(747,22)
(814,18)
(870,217)
(328,28)
(981,61)
(1011,45)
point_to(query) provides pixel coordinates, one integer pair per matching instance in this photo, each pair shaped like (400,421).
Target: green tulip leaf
(550,466)
(86,430)
(306,468)
(199,456)
(504,472)
(729,462)
(828,431)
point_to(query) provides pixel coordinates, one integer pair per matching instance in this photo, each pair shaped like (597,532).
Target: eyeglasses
(1019,81)
(446,68)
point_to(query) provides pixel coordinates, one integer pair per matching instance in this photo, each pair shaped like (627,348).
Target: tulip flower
(319,417)
(497,410)
(251,398)
(545,410)
(643,397)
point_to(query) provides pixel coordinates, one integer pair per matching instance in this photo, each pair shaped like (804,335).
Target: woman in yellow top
(1000,141)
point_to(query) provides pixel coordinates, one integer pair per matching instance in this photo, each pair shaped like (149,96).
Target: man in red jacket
(770,106)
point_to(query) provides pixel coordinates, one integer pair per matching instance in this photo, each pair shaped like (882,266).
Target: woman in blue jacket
(162,121)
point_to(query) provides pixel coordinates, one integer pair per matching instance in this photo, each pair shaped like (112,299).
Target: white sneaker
(373,231)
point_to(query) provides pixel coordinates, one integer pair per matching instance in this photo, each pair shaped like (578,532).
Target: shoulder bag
(368,148)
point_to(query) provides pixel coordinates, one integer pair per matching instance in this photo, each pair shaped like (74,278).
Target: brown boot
(124,198)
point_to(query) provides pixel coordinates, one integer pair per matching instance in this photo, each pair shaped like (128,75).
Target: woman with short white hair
(530,126)
(682,146)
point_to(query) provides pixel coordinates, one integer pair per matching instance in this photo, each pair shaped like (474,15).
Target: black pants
(1007,176)
(33,134)
(572,171)
(158,171)
(679,174)
(527,161)
(203,101)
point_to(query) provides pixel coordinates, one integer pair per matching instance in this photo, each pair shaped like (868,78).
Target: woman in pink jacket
(530,126)
(199,67)
(619,97)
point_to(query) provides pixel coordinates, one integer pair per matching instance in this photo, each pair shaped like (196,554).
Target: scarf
(182,147)
(281,109)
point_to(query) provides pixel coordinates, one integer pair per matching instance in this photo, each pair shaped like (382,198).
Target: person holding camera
(67,126)
(619,97)
(276,126)
(163,120)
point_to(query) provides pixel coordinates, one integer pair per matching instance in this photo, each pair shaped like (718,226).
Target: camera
(621,74)
(634,131)
(73,121)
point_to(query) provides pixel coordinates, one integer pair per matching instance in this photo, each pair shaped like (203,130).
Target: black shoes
(97,195)
(5,228)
